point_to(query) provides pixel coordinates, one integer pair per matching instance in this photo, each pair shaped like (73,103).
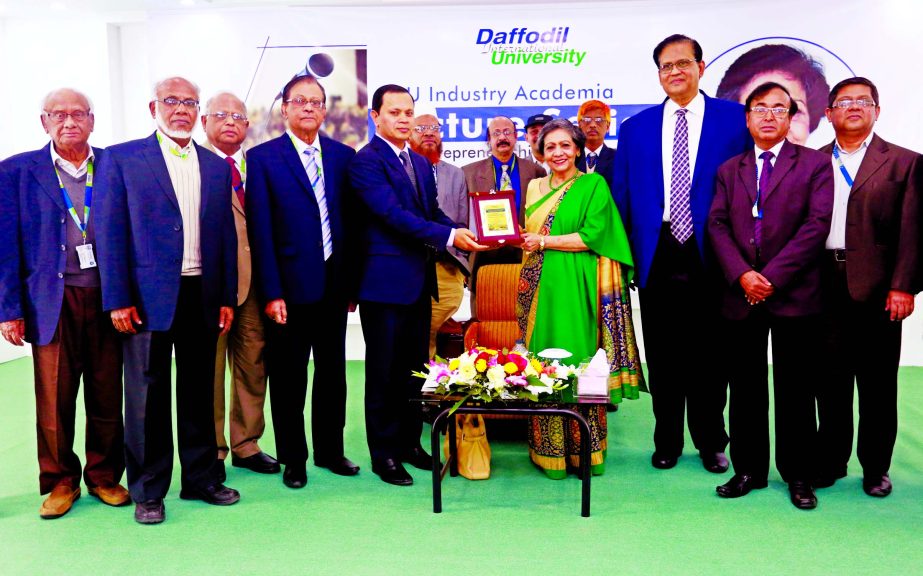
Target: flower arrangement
(486,374)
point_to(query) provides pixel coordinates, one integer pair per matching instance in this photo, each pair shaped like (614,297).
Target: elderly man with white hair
(168,263)
(50,297)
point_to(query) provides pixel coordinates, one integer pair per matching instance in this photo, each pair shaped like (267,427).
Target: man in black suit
(870,277)
(401,228)
(297,184)
(594,117)
(168,266)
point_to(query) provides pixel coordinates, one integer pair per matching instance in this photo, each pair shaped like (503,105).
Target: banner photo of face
(802,66)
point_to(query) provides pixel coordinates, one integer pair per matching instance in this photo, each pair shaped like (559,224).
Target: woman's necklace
(562,184)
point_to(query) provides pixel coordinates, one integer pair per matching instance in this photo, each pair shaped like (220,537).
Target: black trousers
(148,418)
(396,343)
(862,346)
(794,373)
(679,314)
(318,327)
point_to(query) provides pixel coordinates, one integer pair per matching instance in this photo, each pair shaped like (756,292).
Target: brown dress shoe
(113,494)
(59,501)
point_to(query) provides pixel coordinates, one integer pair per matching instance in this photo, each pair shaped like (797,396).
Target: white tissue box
(592,385)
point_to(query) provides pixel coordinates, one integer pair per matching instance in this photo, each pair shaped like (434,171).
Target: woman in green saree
(573,292)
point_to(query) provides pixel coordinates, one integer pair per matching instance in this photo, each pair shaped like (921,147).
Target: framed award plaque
(496,222)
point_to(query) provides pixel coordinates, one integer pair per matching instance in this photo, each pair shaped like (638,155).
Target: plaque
(495,217)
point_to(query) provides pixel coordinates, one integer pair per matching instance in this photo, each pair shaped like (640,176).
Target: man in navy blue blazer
(400,228)
(297,186)
(168,262)
(50,296)
(663,184)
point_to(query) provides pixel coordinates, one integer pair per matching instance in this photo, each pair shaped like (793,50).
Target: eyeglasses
(175,102)
(224,116)
(849,103)
(594,120)
(424,128)
(59,116)
(302,102)
(763,111)
(680,65)
(504,132)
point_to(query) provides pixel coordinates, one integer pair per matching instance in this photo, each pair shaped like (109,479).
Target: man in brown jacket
(869,282)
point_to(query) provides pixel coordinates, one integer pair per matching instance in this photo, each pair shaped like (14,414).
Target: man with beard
(168,264)
(594,117)
(502,170)
(452,196)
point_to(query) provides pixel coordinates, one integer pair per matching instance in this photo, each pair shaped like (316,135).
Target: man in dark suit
(663,184)
(768,223)
(297,189)
(502,170)
(225,123)
(400,229)
(870,277)
(167,252)
(50,297)
(594,117)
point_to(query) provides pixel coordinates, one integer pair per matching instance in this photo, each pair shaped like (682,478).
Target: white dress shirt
(836,240)
(695,115)
(65,165)
(183,167)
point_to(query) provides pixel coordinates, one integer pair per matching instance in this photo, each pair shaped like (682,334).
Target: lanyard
(172,148)
(510,171)
(87,200)
(843,170)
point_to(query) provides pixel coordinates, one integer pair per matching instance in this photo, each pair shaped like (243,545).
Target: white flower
(466,372)
(496,377)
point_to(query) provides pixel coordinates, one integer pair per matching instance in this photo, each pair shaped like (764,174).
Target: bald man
(225,123)
(50,297)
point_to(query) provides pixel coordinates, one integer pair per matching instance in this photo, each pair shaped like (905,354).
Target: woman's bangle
(541,243)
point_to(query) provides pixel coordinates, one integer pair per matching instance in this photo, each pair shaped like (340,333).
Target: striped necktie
(506,183)
(316,176)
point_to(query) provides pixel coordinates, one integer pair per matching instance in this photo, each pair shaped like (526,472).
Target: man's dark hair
(287,91)
(379,95)
(766,88)
(576,134)
(786,59)
(673,39)
(834,92)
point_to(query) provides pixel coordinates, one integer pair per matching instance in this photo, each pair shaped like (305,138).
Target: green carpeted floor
(644,521)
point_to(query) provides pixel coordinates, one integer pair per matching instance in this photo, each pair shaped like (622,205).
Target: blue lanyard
(87,200)
(846,176)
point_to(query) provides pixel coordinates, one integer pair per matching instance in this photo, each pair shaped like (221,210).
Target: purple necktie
(680,181)
(765,175)
(591,160)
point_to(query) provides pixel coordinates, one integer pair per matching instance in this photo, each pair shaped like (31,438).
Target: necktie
(237,184)
(505,182)
(408,167)
(765,175)
(317,183)
(591,160)
(680,182)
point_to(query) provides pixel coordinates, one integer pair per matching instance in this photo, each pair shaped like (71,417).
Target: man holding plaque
(401,229)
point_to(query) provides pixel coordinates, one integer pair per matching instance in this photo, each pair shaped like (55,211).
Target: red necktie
(236,182)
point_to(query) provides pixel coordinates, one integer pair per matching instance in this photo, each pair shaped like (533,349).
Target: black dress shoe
(877,486)
(739,485)
(217,494)
(418,458)
(715,462)
(150,512)
(662,462)
(260,462)
(802,495)
(295,476)
(342,466)
(392,472)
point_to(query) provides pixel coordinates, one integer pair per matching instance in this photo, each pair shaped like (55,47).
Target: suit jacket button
(320,244)
(63,219)
(63,248)
(177,227)
(246,248)
(60,274)
(752,241)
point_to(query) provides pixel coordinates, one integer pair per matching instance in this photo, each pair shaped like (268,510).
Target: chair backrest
(497,287)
